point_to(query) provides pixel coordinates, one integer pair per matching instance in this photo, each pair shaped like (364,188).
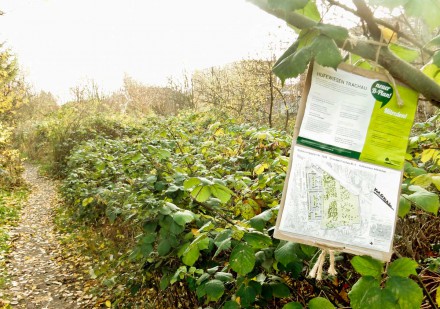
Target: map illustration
(333,199)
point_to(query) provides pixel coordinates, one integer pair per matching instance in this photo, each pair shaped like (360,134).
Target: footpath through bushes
(185,206)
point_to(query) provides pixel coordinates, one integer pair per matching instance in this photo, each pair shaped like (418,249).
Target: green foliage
(317,43)
(399,290)
(51,140)
(367,266)
(422,170)
(201,205)
(10,162)
(181,187)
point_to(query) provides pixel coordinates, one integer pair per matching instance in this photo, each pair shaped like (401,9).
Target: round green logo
(382,92)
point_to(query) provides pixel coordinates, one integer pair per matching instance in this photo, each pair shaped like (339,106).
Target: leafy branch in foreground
(319,41)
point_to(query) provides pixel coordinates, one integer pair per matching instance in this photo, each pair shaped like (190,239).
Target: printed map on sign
(334,199)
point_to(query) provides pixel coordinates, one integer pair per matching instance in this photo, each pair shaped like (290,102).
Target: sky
(63,43)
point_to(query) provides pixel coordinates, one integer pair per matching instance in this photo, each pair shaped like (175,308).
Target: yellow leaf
(195,232)
(219,132)
(260,168)
(436,180)
(437,297)
(428,154)
(108,304)
(388,35)
(423,180)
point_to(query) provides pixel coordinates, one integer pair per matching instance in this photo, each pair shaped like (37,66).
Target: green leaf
(320,303)
(285,253)
(168,208)
(259,221)
(287,5)
(224,245)
(293,305)
(406,53)
(310,11)
(221,192)
(404,207)
(214,289)
(200,291)
(366,294)
(290,51)
(427,10)
(402,267)
(179,274)
(191,255)
(309,251)
(248,293)
(326,51)
(222,276)
(203,244)
(367,266)
(231,305)
(334,32)
(164,247)
(201,193)
(148,238)
(149,227)
(294,65)
(183,217)
(436,59)
(164,282)
(413,171)
(428,201)
(242,259)
(435,42)
(176,229)
(191,182)
(257,240)
(407,292)
(280,290)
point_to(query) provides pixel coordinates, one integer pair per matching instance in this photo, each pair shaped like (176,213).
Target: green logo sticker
(382,92)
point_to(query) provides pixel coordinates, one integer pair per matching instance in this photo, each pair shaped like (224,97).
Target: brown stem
(364,12)
(386,24)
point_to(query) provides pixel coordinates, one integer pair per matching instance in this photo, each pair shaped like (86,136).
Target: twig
(428,295)
(386,24)
(207,207)
(181,150)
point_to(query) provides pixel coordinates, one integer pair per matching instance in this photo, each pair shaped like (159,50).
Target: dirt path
(38,276)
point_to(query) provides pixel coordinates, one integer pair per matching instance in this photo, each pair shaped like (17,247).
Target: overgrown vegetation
(178,211)
(185,205)
(12,192)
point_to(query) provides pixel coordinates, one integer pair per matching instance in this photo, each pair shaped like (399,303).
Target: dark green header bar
(328,148)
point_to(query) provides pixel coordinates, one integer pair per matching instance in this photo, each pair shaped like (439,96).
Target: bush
(10,163)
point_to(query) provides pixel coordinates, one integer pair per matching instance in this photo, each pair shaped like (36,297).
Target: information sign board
(343,184)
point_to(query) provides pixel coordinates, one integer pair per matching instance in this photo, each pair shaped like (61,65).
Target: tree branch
(381,22)
(398,68)
(364,12)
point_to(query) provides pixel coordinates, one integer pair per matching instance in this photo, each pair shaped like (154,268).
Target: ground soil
(38,275)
